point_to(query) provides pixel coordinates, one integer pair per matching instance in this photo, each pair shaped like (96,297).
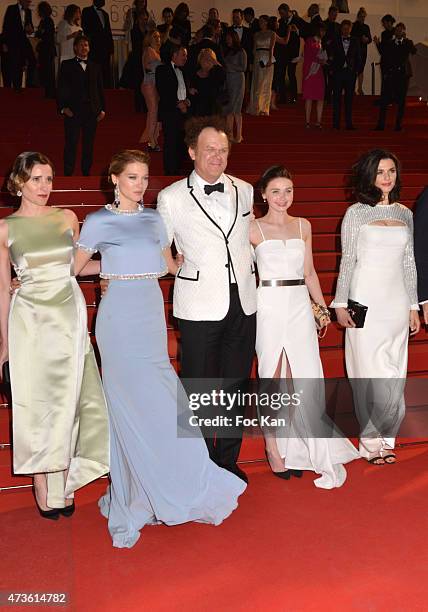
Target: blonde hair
(120,160)
(205,52)
(22,167)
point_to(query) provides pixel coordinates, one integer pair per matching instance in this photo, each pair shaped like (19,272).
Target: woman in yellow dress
(60,423)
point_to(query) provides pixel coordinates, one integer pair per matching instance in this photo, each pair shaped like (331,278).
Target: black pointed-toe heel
(52,514)
(284,475)
(296,473)
(67,510)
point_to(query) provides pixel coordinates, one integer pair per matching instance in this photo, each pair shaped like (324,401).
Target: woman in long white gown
(287,343)
(378,270)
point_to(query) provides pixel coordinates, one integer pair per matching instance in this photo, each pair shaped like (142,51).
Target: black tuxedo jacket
(292,49)
(421,244)
(78,87)
(13,33)
(101,39)
(166,85)
(395,57)
(337,56)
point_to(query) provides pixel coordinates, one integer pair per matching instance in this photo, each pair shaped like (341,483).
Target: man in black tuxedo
(251,20)
(345,61)
(332,31)
(81,102)
(17,25)
(421,250)
(396,73)
(244,34)
(96,26)
(173,107)
(288,54)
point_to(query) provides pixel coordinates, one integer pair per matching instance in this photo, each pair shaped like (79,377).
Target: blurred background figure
(46,49)
(68,28)
(235,60)
(96,26)
(313,84)
(132,73)
(396,74)
(207,85)
(181,21)
(151,60)
(251,20)
(166,25)
(17,27)
(361,30)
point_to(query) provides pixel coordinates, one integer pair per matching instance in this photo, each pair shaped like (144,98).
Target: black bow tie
(398,41)
(217,187)
(346,38)
(82,61)
(238,27)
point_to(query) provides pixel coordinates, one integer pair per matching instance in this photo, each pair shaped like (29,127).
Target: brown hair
(22,167)
(120,160)
(272,173)
(195,126)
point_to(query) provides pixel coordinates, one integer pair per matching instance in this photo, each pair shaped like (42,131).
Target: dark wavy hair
(364,174)
(22,167)
(272,173)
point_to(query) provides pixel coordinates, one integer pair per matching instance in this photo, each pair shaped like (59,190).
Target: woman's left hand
(414,322)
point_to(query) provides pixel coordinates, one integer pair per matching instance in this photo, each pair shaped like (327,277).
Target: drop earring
(116,196)
(19,194)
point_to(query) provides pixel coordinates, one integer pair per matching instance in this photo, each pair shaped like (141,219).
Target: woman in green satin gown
(60,423)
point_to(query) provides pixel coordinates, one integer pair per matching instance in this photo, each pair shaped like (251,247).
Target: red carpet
(289,546)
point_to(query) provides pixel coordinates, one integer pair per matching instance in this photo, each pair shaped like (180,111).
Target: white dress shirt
(218,205)
(181,89)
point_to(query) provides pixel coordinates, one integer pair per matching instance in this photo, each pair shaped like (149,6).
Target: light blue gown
(156,476)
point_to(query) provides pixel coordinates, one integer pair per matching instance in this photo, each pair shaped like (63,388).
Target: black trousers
(174,149)
(221,349)
(394,89)
(20,58)
(84,123)
(343,80)
(47,75)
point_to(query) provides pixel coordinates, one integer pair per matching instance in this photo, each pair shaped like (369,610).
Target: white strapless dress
(285,325)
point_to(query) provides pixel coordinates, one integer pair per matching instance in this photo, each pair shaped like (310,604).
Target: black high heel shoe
(284,475)
(52,514)
(296,473)
(67,510)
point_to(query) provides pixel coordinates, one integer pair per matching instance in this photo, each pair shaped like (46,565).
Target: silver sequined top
(358,215)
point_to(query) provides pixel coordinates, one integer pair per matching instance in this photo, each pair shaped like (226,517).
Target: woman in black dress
(46,50)
(362,31)
(207,85)
(181,22)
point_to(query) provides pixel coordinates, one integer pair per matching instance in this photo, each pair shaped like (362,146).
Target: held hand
(425,309)
(104,283)
(14,285)
(364,39)
(101,116)
(4,356)
(179,259)
(344,318)
(29,29)
(376,39)
(193,91)
(68,112)
(414,322)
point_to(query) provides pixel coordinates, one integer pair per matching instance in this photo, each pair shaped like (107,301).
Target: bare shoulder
(4,232)
(70,216)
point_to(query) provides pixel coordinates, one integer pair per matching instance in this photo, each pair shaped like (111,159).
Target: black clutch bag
(358,312)
(6,373)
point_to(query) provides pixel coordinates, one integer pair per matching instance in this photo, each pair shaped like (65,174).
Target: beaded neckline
(118,211)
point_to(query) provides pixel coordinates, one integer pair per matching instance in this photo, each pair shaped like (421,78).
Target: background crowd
(224,68)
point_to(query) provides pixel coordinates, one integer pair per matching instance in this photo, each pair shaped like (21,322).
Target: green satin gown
(59,413)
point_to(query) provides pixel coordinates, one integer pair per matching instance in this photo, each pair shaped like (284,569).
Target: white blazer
(201,289)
